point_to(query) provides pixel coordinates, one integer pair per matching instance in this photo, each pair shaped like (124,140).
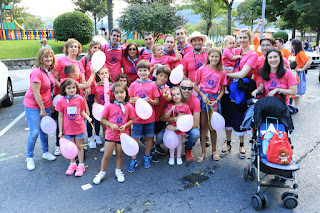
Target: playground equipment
(11,30)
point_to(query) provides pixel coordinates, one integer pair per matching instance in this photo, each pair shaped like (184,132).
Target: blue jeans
(194,135)
(34,118)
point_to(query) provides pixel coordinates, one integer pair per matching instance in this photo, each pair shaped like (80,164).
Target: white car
(315,57)
(6,91)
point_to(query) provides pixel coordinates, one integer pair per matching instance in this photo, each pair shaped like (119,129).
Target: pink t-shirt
(184,108)
(39,76)
(145,55)
(129,69)
(210,80)
(162,103)
(226,61)
(98,92)
(114,114)
(175,63)
(144,90)
(87,73)
(73,122)
(165,60)
(192,62)
(250,59)
(186,50)
(194,104)
(284,83)
(61,63)
(113,60)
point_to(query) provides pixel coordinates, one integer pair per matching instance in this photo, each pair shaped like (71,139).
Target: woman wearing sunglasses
(129,61)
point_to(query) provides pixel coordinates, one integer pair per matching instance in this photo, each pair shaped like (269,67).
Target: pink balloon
(129,145)
(48,125)
(185,123)
(217,121)
(176,74)
(68,149)
(143,109)
(97,110)
(170,139)
(56,99)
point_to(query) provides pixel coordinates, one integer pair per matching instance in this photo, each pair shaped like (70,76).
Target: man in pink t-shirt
(168,50)
(146,53)
(181,37)
(192,61)
(114,53)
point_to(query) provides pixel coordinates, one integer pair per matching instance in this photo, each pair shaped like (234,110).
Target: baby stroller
(270,113)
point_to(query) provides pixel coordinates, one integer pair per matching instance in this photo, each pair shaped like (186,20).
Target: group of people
(210,84)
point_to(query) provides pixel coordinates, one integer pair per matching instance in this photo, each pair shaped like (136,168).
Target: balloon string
(208,113)
(94,134)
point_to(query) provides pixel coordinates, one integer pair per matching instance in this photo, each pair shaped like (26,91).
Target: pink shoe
(80,170)
(71,169)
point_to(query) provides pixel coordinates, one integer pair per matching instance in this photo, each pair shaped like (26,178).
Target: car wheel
(9,99)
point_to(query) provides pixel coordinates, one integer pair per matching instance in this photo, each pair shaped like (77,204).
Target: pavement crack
(305,155)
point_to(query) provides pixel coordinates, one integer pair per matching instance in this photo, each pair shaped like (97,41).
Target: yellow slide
(18,25)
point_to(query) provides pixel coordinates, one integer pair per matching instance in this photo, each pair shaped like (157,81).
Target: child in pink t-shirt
(117,116)
(144,88)
(229,58)
(210,84)
(159,59)
(99,96)
(174,110)
(71,124)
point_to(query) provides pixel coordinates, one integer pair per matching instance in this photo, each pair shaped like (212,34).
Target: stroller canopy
(272,107)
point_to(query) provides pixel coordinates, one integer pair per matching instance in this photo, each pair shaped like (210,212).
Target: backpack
(279,149)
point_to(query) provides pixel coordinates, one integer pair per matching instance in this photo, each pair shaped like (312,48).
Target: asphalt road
(207,187)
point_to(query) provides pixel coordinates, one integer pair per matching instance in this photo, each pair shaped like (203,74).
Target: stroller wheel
(256,202)
(245,173)
(264,199)
(252,174)
(285,194)
(290,202)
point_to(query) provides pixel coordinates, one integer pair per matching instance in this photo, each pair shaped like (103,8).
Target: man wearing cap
(181,37)
(193,60)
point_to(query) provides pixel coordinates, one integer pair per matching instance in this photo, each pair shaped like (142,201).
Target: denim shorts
(70,137)
(117,142)
(139,130)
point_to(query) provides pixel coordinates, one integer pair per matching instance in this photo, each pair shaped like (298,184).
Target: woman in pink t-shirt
(174,110)
(38,103)
(71,124)
(275,79)
(129,61)
(210,83)
(117,116)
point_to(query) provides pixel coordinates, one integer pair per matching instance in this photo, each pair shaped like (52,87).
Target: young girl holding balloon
(212,79)
(71,124)
(117,116)
(99,98)
(175,110)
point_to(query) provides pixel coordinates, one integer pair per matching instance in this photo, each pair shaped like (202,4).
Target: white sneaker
(48,156)
(102,149)
(99,177)
(171,161)
(30,164)
(57,152)
(92,145)
(114,152)
(179,161)
(98,140)
(120,176)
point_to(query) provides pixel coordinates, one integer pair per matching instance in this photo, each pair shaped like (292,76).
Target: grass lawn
(12,49)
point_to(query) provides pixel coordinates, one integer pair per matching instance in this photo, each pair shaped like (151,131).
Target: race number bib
(71,110)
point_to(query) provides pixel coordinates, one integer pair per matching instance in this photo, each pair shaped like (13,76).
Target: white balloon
(56,99)
(185,123)
(98,60)
(143,109)
(100,39)
(97,110)
(176,74)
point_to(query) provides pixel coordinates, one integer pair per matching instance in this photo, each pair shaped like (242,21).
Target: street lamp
(263,15)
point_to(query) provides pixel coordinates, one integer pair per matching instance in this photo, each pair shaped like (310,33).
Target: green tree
(95,8)
(190,28)
(157,18)
(229,4)
(246,13)
(73,25)
(207,9)
(3,4)
(149,1)
(310,16)
(34,22)
(281,34)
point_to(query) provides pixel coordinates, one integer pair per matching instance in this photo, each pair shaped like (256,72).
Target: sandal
(215,156)
(201,158)
(242,151)
(226,150)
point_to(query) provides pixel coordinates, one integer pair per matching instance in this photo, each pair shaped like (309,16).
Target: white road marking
(11,124)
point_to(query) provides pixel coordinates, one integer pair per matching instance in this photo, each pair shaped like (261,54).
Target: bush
(281,34)
(73,25)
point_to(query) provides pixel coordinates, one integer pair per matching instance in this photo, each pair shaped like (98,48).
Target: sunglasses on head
(186,88)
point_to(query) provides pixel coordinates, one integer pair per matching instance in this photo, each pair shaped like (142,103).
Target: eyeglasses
(186,88)
(130,49)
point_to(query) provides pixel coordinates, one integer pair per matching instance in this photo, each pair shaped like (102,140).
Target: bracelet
(218,100)
(108,123)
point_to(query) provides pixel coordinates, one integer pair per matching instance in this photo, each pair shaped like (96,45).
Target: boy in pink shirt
(144,88)
(229,58)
